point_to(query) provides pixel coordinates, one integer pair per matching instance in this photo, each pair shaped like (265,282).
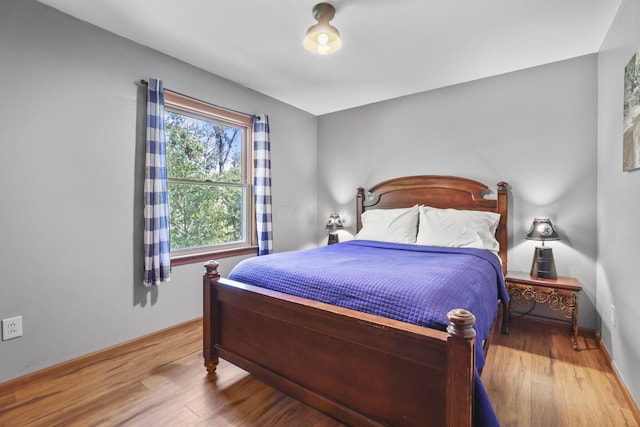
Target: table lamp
(543,265)
(333,224)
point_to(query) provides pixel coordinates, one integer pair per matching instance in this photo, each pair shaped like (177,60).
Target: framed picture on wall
(631,133)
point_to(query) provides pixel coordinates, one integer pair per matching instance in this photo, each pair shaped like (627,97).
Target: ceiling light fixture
(323,38)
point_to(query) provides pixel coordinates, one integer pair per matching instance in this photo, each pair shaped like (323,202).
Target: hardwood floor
(533,378)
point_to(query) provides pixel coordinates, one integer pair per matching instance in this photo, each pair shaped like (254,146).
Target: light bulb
(323,38)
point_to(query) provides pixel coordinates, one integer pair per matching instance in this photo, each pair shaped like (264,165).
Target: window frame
(191,107)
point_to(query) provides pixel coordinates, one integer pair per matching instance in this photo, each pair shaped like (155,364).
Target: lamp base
(333,238)
(543,265)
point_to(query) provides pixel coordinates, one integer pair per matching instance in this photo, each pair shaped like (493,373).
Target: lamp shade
(542,229)
(323,38)
(334,222)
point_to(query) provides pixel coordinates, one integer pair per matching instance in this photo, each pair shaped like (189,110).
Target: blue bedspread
(412,283)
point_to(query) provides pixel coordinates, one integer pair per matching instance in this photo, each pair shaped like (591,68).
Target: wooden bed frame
(359,368)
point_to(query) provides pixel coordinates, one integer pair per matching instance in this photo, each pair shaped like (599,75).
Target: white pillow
(390,225)
(458,228)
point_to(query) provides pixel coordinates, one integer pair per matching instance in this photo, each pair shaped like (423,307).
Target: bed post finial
(211,270)
(461,323)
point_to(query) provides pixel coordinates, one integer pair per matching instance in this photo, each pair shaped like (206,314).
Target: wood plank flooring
(533,378)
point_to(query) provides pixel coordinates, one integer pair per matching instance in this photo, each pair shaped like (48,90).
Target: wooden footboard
(359,368)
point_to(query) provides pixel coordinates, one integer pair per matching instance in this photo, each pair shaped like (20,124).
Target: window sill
(177,260)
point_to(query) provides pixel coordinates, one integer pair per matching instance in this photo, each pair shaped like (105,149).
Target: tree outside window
(208,179)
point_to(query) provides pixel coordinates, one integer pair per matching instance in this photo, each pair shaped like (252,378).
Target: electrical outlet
(11,328)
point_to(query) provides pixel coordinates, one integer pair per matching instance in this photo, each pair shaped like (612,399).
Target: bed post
(359,208)
(501,232)
(209,332)
(460,383)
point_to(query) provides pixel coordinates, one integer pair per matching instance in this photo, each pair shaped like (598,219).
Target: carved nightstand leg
(211,366)
(574,324)
(506,318)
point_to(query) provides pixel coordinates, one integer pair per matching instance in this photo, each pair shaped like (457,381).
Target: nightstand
(560,294)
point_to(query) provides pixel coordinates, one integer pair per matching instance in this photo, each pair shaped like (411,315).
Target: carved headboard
(439,192)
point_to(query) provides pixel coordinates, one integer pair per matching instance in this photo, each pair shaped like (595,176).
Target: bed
(366,368)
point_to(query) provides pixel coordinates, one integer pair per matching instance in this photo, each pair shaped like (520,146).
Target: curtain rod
(144,82)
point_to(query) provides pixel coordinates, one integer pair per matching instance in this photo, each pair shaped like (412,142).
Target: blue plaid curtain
(262,182)
(157,262)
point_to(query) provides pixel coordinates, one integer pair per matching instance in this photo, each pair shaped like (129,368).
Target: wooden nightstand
(560,294)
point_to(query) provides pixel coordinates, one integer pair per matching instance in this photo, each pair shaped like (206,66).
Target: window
(209,180)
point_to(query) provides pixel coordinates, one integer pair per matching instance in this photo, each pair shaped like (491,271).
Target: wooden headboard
(439,192)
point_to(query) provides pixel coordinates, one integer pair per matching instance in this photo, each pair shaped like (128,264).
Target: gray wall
(618,204)
(535,129)
(71,175)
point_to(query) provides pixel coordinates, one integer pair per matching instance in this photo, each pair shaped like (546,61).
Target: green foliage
(632,85)
(204,163)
